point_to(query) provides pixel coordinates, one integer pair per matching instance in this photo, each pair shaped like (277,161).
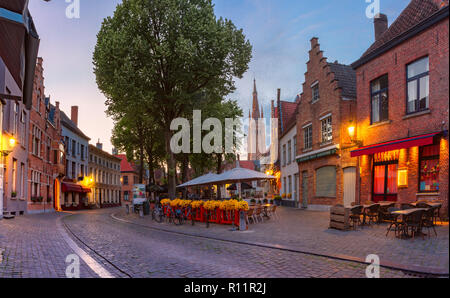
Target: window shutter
(326,182)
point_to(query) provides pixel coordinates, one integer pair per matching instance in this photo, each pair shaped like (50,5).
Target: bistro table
(405,213)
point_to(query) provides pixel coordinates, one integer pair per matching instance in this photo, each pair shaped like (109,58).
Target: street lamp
(11,143)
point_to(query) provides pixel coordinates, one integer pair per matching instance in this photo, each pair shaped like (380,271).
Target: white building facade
(289,167)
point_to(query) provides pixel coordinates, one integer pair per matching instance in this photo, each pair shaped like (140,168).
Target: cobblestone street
(33,247)
(307,231)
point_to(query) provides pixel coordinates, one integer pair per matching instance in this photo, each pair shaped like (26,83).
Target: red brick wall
(38,117)
(434,44)
(342,112)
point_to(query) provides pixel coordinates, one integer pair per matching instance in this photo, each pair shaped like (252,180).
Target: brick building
(104,170)
(46,149)
(129,177)
(402,82)
(328,106)
(74,189)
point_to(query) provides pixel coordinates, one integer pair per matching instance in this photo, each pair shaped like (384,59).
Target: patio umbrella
(239,175)
(202,180)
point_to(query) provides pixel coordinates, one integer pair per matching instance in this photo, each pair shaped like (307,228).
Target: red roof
(288,115)
(125,166)
(247,164)
(415,13)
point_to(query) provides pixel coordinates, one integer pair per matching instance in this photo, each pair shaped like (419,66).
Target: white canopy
(202,180)
(239,175)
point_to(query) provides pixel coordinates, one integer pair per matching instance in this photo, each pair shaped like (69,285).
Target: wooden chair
(373,213)
(273,212)
(249,215)
(355,216)
(257,214)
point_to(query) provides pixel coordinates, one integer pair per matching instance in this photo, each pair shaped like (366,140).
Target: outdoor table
(264,207)
(404,213)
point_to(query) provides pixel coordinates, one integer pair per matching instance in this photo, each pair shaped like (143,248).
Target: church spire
(255,108)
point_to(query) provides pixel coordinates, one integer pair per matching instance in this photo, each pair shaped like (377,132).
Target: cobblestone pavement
(308,231)
(143,252)
(31,247)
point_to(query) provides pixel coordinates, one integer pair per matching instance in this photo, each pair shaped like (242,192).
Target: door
(305,190)
(296,198)
(385,182)
(349,186)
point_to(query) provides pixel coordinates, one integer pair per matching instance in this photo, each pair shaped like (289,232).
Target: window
(284,185)
(22,180)
(37,136)
(429,169)
(418,86)
(74,146)
(284,155)
(14,176)
(82,152)
(327,130)
(125,195)
(380,101)
(326,182)
(73,170)
(289,152)
(125,180)
(307,133)
(16,119)
(315,92)
(35,184)
(295,148)
(290,185)
(82,171)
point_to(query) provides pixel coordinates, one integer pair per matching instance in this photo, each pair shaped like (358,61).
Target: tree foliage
(166,54)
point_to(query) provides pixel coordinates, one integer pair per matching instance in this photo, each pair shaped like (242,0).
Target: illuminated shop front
(404,170)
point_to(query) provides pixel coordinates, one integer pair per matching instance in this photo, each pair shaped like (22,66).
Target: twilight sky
(279,31)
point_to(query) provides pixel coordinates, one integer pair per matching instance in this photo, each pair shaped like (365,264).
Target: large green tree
(166,52)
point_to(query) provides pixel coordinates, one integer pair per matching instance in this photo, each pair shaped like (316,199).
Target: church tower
(257,130)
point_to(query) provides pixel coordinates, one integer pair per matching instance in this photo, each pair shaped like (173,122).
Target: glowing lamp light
(12,142)
(351,131)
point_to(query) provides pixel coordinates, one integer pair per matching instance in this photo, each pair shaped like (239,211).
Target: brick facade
(432,42)
(332,102)
(45,161)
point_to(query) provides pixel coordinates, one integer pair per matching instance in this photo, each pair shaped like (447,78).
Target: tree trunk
(219,170)
(171,164)
(184,172)
(141,165)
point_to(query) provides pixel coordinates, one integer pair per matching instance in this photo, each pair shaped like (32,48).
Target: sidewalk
(307,231)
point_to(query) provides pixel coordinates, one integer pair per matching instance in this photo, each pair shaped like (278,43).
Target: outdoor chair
(258,212)
(406,206)
(385,215)
(422,205)
(249,215)
(373,213)
(273,212)
(414,222)
(428,221)
(393,220)
(355,216)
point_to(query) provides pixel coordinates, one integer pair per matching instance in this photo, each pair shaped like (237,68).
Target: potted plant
(13,194)
(41,199)
(253,201)
(271,201)
(265,201)
(49,200)
(277,200)
(289,195)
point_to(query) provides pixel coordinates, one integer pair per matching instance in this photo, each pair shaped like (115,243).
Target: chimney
(57,105)
(115,151)
(74,115)
(381,24)
(99,145)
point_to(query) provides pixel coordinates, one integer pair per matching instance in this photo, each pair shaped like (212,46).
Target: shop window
(429,168)
(326,182)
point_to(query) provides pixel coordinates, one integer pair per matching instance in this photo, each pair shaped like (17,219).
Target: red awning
(422,140)
(72,187)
